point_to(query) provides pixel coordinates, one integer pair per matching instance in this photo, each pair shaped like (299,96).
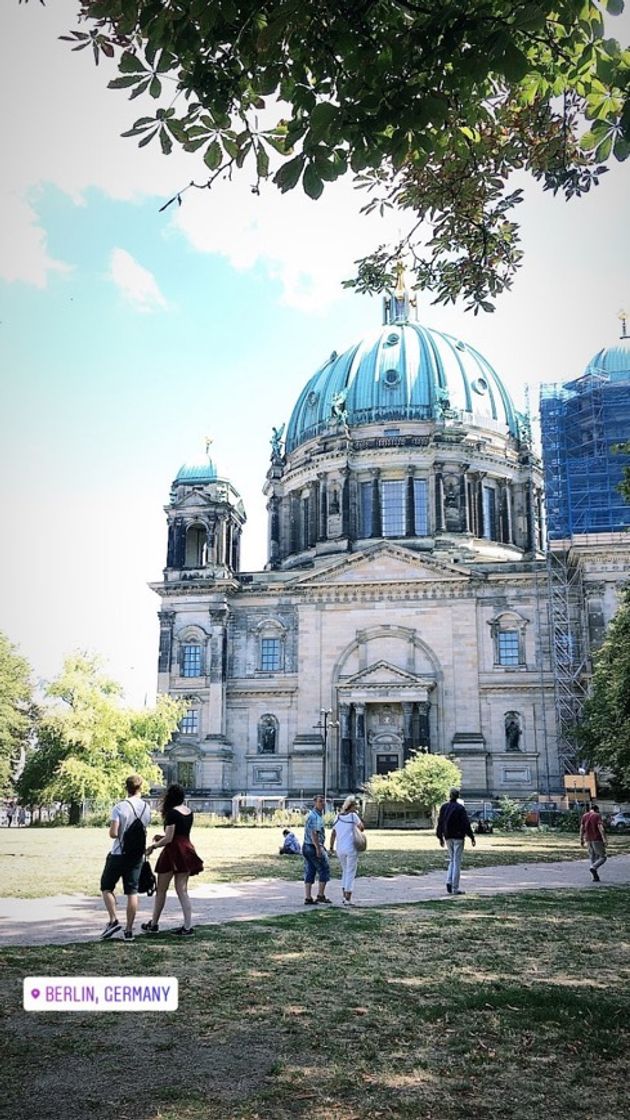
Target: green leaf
(513,63)
(166,142)
(123,83)
(213,155)
(288,175)
(437,108)
(130,64)
(148,138)
(604,149)
(621,148)
(321,120)
(155,88)
(614,7)
(262,162)
(312,183)
(231,147)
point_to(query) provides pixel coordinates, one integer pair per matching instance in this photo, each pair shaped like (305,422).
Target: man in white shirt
(121,864)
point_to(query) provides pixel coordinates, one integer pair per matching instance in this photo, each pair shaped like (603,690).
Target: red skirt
(179,856)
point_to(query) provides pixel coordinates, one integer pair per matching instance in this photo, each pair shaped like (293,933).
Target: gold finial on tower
(208,444)
(623,315)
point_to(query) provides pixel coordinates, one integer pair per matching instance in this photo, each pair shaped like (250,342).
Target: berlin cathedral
(404,605)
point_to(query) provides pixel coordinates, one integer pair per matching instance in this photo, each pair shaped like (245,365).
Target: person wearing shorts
(119,866)
(316,864)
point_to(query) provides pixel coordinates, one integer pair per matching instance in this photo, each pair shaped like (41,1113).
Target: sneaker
(110,929)
(149,927)
(322,898)
(596,878)
(449,889)
(309,901)
(459,892)
(181,931)
(346,902)
(128,935)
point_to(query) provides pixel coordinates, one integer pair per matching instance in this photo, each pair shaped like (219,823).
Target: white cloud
(25,254)
(136,283)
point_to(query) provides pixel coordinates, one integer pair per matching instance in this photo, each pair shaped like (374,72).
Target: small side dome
(197,470)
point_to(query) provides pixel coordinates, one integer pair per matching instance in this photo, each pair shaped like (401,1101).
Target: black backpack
(134,839)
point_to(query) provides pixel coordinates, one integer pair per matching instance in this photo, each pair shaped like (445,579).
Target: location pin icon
(35,993)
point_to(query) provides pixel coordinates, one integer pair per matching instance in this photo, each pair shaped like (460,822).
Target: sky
(127,336)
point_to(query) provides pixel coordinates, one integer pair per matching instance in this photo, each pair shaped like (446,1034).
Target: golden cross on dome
(623,315)
(208,443)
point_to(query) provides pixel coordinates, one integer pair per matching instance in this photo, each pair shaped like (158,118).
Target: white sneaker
(346,902)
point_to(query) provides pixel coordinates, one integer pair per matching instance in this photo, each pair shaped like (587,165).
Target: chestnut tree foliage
(430,104)
(604,734)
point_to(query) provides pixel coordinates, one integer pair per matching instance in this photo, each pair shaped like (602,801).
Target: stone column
(408,743)
(377,524)
(439,500)
(345,749)
(345,503)
(410,519)
(360,744)
(463,502)
(424,733)
(274,529)
(323,508)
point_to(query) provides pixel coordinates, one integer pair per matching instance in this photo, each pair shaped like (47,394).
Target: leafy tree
(88,744)
(17,710)
(604,734)
(424,780)
(430,104)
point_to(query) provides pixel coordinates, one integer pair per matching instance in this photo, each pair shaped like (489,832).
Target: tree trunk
(74,812)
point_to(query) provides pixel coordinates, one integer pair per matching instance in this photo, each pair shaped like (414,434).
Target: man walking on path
(316,864)
(592,833)
(125,859)
(452,829)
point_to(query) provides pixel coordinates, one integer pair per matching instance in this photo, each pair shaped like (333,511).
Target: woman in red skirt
(178,858)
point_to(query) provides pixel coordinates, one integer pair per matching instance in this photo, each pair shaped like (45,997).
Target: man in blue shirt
(316,864)
(290,843)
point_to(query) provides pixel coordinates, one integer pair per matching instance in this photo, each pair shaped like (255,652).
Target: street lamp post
(325,724)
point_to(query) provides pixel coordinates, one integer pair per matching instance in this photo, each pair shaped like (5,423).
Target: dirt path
(70,918)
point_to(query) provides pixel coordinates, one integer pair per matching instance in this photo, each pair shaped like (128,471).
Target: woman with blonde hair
(343,833)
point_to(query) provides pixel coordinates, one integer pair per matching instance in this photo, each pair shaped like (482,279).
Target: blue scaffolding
(583,422)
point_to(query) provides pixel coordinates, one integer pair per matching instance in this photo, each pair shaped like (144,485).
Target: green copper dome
(404,371)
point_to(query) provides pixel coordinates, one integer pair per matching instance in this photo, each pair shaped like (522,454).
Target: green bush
(512,815)
(569,822)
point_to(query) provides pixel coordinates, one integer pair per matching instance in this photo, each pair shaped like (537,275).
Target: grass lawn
(47,861)
(507,1008)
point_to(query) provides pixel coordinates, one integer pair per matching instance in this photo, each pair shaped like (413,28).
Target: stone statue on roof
(276,444)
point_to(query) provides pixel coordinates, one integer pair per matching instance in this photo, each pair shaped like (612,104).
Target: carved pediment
(385,564)
(384,673)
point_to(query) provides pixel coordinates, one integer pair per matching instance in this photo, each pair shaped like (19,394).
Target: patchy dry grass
(38,862)
(509,1008)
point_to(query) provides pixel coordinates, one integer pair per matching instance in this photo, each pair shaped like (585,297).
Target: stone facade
(404,605)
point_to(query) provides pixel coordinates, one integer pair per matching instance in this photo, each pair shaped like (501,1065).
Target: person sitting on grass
(290,845)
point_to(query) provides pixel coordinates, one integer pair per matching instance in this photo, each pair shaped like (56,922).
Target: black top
(453,823)
(182,821)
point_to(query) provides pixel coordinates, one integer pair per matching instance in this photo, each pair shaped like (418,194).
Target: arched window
(267,735)
(513,731)
(196,555)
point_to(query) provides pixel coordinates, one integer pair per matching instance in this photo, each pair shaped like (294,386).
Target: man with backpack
(128,830)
